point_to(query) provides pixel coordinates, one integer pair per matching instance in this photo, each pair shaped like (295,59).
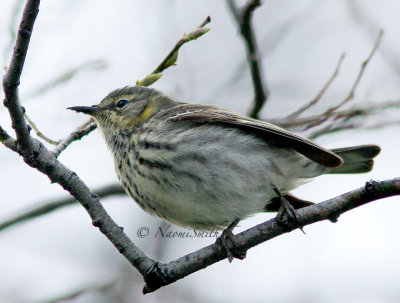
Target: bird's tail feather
(356,159)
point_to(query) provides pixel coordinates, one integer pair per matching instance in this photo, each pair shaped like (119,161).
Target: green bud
(195,34)
(149,80)
(172,59)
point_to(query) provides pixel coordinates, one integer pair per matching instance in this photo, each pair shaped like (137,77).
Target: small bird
(204,167)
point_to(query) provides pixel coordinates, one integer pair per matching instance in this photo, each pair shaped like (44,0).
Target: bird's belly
(207,182)
(207,201)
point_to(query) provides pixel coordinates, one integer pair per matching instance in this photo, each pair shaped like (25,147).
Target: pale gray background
(355,260)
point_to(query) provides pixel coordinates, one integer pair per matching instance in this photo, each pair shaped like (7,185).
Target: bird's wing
(200,113)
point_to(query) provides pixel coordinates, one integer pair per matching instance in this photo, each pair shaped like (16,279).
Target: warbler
(204,167)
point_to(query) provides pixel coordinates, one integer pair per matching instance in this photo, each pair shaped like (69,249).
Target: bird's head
(126,107)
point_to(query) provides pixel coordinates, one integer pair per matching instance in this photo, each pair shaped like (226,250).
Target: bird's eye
(121,103)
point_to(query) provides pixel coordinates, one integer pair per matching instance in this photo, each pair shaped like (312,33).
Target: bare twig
(334,128)
(47,207)
(314,101)
(356,112)
(243,17)
(325,116)
(38,132)
(80,132)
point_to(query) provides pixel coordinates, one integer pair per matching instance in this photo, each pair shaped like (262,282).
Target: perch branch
(166,273)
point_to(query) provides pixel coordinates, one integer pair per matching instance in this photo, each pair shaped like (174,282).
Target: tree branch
(38,132)
(83,130)
(7,140)
(154,273)
(166,273)
(37,156)
(12,77)
(363,111)
(243,18)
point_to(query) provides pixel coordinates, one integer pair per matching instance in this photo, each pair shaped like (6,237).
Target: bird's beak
(90,110)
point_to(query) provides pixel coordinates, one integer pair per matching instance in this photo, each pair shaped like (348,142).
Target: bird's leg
(226,238)
(286,211)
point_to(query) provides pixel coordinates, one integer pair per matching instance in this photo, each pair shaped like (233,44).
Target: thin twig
(48,207)
(80,132)
(325,116)
(163,65)
(339,127)
(243,18)
(38,132)
(361,112)
(350,96)
(314,101)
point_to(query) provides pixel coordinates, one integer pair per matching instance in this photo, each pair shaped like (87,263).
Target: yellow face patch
(149,111)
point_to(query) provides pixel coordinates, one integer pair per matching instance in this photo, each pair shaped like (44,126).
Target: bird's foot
(286,213)
(228,243)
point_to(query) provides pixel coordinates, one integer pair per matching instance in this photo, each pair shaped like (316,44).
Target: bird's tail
(356,159)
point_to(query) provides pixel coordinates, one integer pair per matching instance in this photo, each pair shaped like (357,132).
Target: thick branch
(243,17)
(11,79)
(164,274)
(36,155)
(7,140)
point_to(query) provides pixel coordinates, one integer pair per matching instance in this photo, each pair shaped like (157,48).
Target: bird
(205,167)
